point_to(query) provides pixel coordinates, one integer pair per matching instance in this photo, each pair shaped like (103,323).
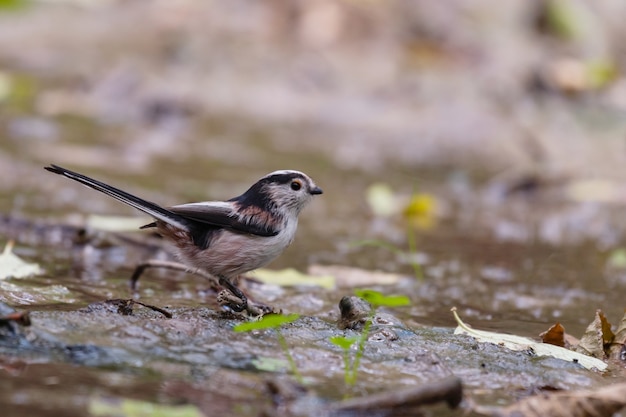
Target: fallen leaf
(290,278)
(620,333)
(11,266)
(605,401)
(597,334)
(267,364)
(381,199)
(619,341)
(617,259)
(349,277)
(116,223)
(554,335)
(126,407)
(519,343)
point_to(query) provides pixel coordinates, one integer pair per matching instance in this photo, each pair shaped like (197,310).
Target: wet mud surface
(507,125)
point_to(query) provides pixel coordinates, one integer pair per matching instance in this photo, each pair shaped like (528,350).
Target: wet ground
(526,170)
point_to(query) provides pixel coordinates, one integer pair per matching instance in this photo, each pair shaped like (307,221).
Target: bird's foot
(227,299)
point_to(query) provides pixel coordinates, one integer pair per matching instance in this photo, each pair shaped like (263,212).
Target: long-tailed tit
(225,238)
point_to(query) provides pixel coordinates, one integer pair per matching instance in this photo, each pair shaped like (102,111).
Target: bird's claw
(227,299)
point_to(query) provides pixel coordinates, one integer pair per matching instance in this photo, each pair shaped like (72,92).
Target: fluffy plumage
(225,238)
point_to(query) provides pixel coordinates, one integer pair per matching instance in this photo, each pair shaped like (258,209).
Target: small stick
(448,389)
(22,318)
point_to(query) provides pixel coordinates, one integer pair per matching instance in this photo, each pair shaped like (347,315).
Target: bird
(225,238)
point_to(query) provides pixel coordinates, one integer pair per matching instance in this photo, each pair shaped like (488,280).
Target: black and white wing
(224,214)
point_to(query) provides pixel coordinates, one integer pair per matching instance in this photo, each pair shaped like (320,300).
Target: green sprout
(274,321)
(419,213)
(417,268)
(345,343)
(376,299)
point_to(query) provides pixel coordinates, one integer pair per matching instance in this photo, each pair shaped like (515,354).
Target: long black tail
(152,209)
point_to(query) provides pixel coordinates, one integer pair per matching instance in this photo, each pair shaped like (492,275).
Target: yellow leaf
(421,210)
(127,407)
(290,277)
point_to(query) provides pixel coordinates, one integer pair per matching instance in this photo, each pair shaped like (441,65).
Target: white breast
(231,254)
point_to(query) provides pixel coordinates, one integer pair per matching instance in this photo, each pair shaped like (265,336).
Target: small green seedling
(376,299)
(274,321)
(409,256)
(345,343)
(419,214)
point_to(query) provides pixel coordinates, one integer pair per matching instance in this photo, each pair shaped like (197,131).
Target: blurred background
(494,132)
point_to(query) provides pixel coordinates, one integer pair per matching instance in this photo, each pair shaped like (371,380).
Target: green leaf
(269,321)
(565,19)
(617,259)
(343,342)
(13,4)
(378,299)
(601,72)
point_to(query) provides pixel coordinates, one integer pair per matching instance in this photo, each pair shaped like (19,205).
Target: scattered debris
(524,344)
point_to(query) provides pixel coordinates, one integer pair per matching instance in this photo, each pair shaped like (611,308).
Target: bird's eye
(296,185)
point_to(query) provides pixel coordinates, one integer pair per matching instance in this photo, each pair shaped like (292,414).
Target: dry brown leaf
(620,333)
(555,335)
(597,334)
(602,402)
(607,333)
(619,341)
(571,342)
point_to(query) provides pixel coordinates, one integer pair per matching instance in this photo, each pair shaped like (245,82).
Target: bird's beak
(316,191)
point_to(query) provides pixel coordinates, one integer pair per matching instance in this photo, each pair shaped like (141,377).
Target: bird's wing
(222,214)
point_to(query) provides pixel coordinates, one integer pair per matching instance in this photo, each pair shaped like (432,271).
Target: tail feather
(148,207)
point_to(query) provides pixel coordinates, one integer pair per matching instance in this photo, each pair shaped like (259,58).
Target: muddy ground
(509,118)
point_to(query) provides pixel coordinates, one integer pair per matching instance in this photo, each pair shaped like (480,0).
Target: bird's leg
(174,266)
(237,300)
(225,282)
